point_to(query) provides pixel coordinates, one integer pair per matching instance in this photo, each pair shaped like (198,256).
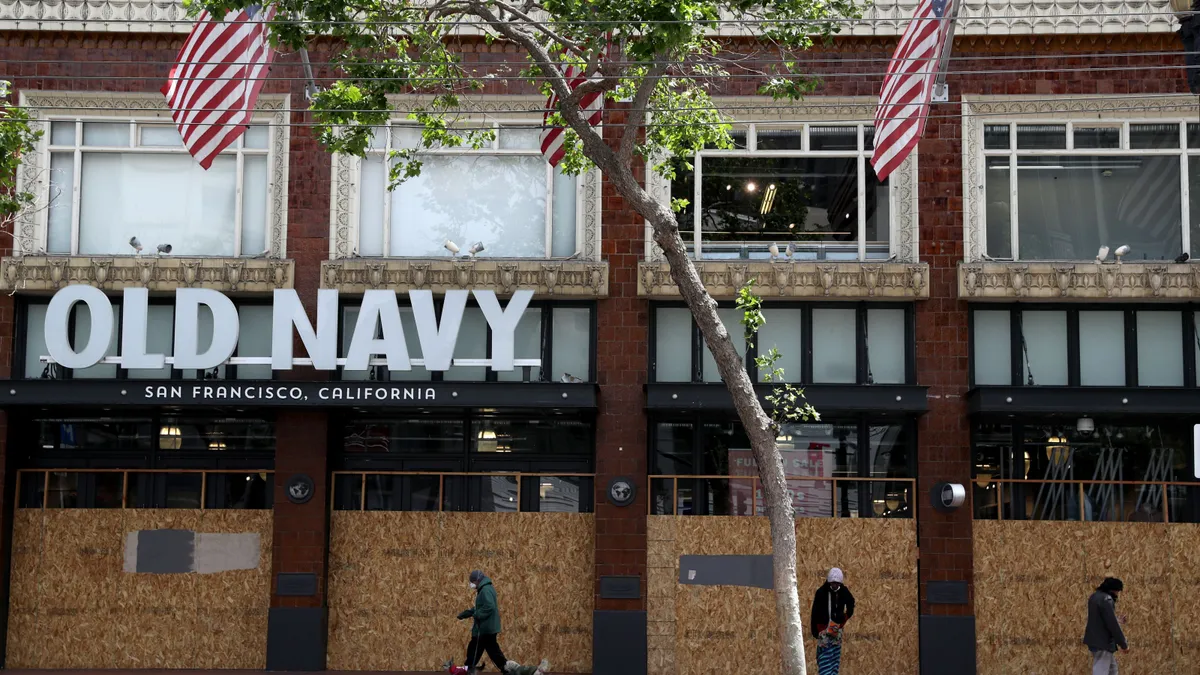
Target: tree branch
(542,27)
(637,112)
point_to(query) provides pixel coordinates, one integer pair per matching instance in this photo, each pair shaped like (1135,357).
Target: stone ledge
(157,273)
(882,281)
(1078,281)
(547,278)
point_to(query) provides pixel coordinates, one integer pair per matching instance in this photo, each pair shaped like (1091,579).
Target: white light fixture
(475,249)
(137,245)
(1085,425)
(487,441)
(451,246)
(774,250)
(751,187)
(170,438)
(1121,253)
(1102,254)
(164,249)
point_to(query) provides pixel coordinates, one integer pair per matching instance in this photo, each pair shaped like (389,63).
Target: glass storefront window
(834,346)
(1102,349)
(992,349)
(1160,349)
(732,319)
(1044,344)
(414,436)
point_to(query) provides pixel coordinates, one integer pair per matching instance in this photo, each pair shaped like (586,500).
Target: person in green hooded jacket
(486,628)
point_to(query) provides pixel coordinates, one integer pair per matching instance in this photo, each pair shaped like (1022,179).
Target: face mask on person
(473,586)
(835,586)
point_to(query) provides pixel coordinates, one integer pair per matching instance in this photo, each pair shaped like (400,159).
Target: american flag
(553,137)
(908,86)
(221,68)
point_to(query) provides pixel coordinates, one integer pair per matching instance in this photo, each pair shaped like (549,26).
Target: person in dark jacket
(486,628)
(833,605)
(1103,635)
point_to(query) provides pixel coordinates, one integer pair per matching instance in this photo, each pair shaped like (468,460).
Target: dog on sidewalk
(510,668)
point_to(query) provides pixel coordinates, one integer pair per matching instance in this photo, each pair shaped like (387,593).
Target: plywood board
(72,592)
(396,585)
(733,625)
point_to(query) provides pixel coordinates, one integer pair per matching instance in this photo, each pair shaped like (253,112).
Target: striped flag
(592,105)
(908,86)
(219,72)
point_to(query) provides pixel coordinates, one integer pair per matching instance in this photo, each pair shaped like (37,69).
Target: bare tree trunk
(759,426)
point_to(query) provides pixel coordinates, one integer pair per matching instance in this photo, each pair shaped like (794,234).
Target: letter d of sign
(503,323)
(99,337)
(187,328)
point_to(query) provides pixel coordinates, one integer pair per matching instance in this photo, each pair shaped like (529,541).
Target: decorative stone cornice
(883,18)
(157,273)
(547,278)
(812,280)
(1065,281)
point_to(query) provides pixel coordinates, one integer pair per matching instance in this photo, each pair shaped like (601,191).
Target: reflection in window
(1101,472)
(1044,346)
(1069,205)
(552,436)
(415,436)
(749,201)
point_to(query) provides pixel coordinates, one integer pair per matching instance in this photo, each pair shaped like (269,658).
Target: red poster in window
(810,498)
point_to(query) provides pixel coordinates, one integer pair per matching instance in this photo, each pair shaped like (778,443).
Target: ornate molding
(32,176)
(884,18)
(158,273)
(981,110)
(878,281)
(1063,281)
(905,226)
(548,278)
(347,172)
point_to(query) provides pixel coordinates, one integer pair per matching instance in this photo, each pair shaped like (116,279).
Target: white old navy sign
(379,314)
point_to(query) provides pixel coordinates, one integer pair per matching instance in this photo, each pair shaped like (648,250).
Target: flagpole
(310,86)
(941,93)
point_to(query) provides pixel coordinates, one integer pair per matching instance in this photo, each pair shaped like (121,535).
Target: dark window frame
(1190,339)
(862,361)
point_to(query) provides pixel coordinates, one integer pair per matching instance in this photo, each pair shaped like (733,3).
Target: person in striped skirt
(833,605)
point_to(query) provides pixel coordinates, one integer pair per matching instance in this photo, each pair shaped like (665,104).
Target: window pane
(886,346)
(791,138)
(35,341)
(505,207)
(405,436)
(992,353)
(239,491)
(62,133)
(62,196)
(572,343)
(672,345)
(207,434)
(998,219)
(160,338)
(889,451)
(518,138)
(549,436)
(64,492)
(83,329)
(782,331)
(161,136)
(102,435)
(1194,202)
(254,339)
(1066,202)
(183,490)
(1045,345)
(254,205)
(562,242)
(673,449)
(1097,137)
(879,217)
(160,199)
(257,136)
(404,136)
(106,134)
(527,344)
(472,344)
(401,493)
(869,137)
(1102,349)
(560,494)
(750,203)
(1160,349)
(1041,136)
(995,137)
(1153,136)
(412,340)
(110,488)
(732,319)
(834,345)
(833,138)
(371,188)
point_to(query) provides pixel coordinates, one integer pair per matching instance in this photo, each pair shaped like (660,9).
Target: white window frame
(144,110)
(494,112)
(816,111)
(1120,112)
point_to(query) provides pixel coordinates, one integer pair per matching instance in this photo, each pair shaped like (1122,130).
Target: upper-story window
(505,196)
(112,181)
(809,188)
(1062,190)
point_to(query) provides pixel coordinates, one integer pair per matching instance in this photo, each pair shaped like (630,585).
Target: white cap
(835,576)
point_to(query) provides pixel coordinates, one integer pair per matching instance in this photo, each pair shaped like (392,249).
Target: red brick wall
(622,369)
(301,530)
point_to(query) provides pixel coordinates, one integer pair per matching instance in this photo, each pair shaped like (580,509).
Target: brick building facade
(1057,73)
